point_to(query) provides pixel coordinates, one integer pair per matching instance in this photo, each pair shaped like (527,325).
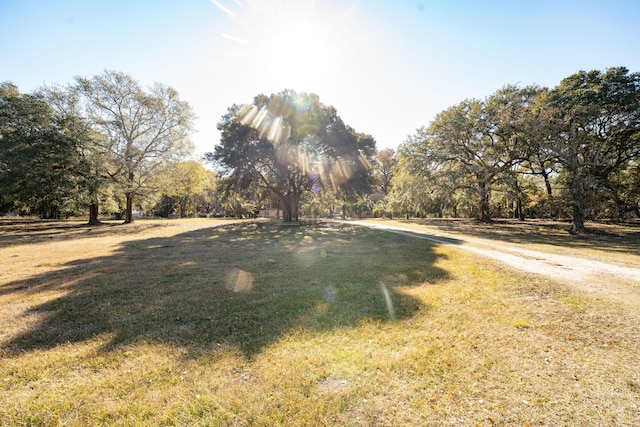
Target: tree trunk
(291,202)
(577,199)
(295,207)
(485,212)
(93,214)
(519,213)
(576,187)
(286,210)
(128,216)
(547,183)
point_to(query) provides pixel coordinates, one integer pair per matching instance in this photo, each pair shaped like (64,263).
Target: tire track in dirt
(587,275)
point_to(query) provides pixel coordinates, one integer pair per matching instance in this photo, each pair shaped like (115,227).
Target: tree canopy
(584,134)
(473,144)
(290,143)
(142,130)
(42,169)
(594,133)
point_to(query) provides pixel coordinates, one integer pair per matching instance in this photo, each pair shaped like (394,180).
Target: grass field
(204,322)
(614,243)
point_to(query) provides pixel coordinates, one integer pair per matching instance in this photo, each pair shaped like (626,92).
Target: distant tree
(142,130)
(474,143)
(206,201)
(234,201)
(41,165)
(594,133)
(290,143)
(184,180)
(624,188)
(418,191)
(382,168)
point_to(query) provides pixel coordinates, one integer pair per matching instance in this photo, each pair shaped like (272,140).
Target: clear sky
(388,66)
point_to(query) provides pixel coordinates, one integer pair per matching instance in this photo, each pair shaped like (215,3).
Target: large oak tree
(474,144)
(594,133)
(290,143)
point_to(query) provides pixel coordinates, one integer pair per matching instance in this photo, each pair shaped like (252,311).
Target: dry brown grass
(197,323)
(615,243)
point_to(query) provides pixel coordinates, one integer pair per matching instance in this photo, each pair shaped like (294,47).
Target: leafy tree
(206,201)
(422,192)
(288,144)
(66,105)
(184,180)
(624,188)
(541,160)
(383,166)
(141,129)
(410,186)
(474,143)
(594,132)
(40,154)
(236,202)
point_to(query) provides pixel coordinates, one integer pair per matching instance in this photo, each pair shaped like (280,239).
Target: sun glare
(288,44)
(298,54)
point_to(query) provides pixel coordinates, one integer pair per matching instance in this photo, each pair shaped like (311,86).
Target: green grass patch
(196,323)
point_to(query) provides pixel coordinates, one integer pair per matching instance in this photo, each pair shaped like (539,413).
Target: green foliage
(42,169)
(383,170)
(472,145)
(62,149)
(288,144)
(142,130)
(595,136)
(584,135)
(182,182)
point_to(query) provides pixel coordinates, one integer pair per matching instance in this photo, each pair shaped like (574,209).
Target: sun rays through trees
(289,144)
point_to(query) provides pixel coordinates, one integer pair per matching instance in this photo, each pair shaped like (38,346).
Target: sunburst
(288,44)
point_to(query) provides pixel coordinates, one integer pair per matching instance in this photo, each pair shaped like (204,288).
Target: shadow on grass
(243,286)
(26,231)
(622,238)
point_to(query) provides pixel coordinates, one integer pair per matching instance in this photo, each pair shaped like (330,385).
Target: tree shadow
(623,239)
(241,286)
(24,231)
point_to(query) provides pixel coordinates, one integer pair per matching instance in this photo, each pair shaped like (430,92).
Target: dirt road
(593,276)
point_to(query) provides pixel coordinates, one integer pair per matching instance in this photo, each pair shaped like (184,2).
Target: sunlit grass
(179,323)
(614,243)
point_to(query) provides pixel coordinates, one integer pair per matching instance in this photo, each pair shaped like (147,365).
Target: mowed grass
(609,242)
(252,323)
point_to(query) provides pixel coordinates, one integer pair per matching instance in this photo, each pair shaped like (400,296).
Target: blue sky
(388,66)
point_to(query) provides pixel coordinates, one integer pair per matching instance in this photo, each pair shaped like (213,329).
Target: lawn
(614,243)
(207,322)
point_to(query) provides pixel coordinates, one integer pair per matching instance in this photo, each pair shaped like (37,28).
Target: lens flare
(238,281)
(223,8)
(387,300)
(301,147)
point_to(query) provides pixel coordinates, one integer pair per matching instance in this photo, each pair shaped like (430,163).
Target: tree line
(571,151)
(105,144)
(103,140)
